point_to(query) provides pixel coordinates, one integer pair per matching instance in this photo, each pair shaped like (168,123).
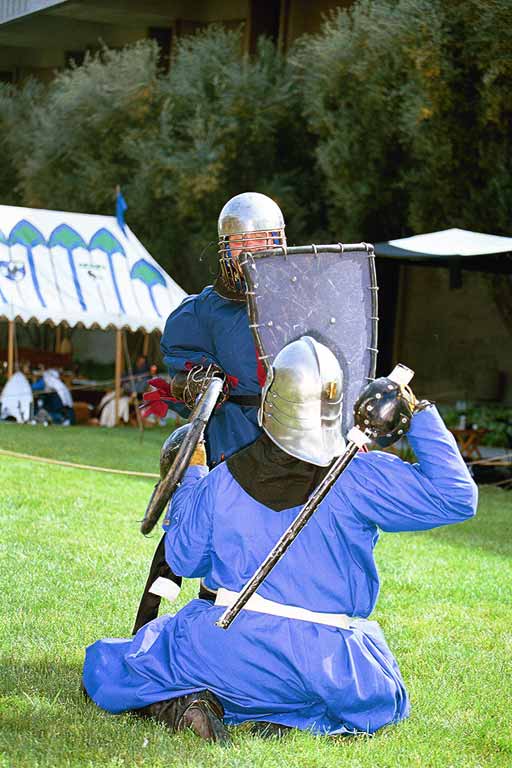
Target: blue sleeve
(398,496)
(187,337)
(187,525)
(38,385)
(187,340)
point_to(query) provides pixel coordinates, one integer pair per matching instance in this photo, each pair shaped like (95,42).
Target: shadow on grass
(489,531)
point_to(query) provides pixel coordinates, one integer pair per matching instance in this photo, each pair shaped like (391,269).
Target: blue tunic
(265,667)
(208,329)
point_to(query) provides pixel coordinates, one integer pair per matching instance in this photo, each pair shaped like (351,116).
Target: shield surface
(328,292)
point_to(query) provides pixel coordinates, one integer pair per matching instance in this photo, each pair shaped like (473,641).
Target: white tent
(80,269)
(448,244)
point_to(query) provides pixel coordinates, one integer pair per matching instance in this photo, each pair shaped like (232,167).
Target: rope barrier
(109,383)
(71,464)
(501,459)
(132,473)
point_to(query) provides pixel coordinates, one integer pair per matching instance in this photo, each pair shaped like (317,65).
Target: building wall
(41,43)
(455,340)
(306,17)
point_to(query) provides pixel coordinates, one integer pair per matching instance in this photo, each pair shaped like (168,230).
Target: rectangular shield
(328,292)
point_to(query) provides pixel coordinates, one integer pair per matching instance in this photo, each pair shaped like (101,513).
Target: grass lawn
(73,565)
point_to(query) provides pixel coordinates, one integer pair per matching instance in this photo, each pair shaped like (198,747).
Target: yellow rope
(44,460)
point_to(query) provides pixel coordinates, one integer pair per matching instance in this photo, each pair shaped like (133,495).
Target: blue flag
(121,207)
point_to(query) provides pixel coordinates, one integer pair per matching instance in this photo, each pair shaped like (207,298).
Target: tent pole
(119,362)
(132,382)
(10,349)
(145,346)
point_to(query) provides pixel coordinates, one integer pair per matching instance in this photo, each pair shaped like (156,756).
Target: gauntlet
(186,386)
(389,408)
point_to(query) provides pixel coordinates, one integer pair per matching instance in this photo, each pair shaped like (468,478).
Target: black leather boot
(201,712)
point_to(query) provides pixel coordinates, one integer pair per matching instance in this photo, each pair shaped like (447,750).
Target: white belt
(262,605)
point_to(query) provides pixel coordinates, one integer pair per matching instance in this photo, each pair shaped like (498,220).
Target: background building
(39,36)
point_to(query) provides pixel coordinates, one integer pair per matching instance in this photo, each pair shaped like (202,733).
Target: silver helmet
(248,222)
(301,408)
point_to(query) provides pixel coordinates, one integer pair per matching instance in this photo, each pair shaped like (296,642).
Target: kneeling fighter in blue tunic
(303,652)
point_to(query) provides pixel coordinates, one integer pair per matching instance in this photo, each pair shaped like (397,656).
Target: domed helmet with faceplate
(248,222)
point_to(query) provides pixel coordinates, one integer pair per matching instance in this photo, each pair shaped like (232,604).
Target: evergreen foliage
(227,124)
(395,118)
(19,108)
(411,101)
(179,144)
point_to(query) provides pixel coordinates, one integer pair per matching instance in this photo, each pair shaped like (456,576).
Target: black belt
(246,400)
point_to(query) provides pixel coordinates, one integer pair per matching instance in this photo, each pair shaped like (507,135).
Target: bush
(395,119)
(410,100)
(19,108)
(83,126)
(228,124)
(179,144)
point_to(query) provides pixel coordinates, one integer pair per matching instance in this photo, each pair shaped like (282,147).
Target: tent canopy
(82,269)
(472,250)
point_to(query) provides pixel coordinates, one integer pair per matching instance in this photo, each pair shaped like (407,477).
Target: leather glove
(199,456)
(414,404)
(187,385)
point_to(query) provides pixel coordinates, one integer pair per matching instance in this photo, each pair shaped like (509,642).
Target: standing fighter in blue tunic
(209,334)
(303,652)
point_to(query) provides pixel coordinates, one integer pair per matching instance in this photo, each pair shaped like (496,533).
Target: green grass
(73,564)
(120,447)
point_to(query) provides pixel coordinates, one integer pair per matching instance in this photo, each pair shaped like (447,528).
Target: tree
(179,144)
(410,101)
(19,108)
(228,123)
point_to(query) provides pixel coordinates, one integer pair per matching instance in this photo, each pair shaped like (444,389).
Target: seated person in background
(56,397)
(107,409)
(303,652)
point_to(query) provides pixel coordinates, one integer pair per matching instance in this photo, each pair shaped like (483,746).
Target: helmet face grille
(231,246)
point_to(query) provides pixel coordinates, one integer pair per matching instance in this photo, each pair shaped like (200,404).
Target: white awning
(455,242)
(82,269)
